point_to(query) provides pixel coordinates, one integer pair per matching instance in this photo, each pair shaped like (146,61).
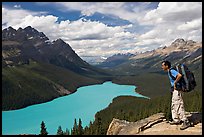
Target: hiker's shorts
(177,106)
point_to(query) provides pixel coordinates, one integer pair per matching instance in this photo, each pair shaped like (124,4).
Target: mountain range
(36,70)
(188,52)
(115,60)
(94,60)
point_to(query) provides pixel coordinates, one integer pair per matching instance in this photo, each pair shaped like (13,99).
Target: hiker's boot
(174,122)
(185,125)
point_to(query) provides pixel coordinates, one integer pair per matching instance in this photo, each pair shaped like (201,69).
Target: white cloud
(119,9)
(165,23)
(84,36)
(191,25)
(173,12)
(169,20)
(17,6)
(37,21)
(172,20)
(12,17)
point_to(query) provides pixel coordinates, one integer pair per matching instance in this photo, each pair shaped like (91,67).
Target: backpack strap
(184,76)
(171,74)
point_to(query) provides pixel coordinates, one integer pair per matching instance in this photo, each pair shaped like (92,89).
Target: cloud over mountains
(150,24)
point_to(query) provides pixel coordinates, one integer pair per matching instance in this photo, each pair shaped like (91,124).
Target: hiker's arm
(177,79)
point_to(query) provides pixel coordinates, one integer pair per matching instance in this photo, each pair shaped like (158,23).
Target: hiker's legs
(181,111)
(177,107)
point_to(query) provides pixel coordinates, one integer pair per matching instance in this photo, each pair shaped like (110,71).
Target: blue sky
(107,28)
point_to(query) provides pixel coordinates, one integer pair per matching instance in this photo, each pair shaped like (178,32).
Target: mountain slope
(180,51)
(115,60)
(36,70)
(33,83)
(18,46)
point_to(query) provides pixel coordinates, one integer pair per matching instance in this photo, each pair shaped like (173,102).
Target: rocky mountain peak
(119,56)
(181,43)
(20,29)
(178,43)
(8,33)
(32,31)
(28,33)
(10,29)
(179,40)
(59,41)
(23,44)
(61,45)
(29,28)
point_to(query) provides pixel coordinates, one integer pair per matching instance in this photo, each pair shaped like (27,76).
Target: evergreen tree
(43,129)
(75,129)
(91,129)
(99,126)
(66,132)
(80,128)
(59,131)
(86,131)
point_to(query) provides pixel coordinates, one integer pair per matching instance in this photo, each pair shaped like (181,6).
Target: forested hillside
(33,83)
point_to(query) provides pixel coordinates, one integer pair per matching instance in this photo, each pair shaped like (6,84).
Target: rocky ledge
(156,125)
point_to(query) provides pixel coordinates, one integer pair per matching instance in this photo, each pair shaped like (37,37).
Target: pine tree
(75,130)
(99,126)
(59,131)
(66,132)
(80,128)
(43,129)
(86,130)
(91,129)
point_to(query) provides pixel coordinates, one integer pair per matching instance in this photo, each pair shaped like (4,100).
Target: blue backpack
(187,82)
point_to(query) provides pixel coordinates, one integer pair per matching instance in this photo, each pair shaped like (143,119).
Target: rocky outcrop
(155,125)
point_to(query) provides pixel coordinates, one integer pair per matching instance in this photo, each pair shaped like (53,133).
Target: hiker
(177,104)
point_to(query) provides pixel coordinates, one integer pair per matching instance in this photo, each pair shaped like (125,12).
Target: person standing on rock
(177,104)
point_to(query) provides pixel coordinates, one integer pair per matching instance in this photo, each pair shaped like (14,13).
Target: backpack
(187,82)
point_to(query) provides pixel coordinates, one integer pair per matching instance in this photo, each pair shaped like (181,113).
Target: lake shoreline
(99,83)
(45,101)
(88,99)
(53,98)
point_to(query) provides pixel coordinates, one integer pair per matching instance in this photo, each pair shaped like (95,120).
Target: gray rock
(155,125)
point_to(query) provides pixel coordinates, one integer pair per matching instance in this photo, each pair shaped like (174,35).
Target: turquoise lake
(63,110)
